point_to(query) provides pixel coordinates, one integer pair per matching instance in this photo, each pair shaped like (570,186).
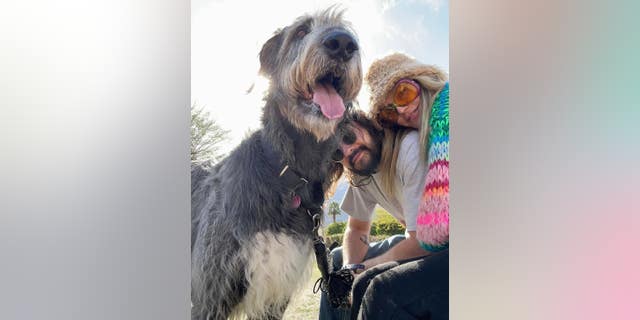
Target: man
(361,154)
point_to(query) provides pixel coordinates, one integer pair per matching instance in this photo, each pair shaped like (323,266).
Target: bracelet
(353,266)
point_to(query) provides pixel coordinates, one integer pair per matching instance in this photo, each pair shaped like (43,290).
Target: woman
(407,95)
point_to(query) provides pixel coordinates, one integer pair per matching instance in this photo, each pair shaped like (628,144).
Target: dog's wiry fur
(250,248)
(295,66)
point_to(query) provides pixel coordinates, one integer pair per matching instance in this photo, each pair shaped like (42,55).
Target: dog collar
(291,179)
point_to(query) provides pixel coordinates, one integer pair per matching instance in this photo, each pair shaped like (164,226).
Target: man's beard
(371,166)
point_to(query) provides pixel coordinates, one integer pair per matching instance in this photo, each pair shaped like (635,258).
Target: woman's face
(408,115)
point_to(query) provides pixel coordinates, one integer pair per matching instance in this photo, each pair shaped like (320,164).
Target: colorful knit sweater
(433,213)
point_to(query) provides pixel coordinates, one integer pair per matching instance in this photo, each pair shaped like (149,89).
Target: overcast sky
(226,37)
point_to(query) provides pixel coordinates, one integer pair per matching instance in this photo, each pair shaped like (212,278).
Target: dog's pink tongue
(329,100)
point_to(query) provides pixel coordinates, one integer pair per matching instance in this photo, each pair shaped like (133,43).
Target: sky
(226,37)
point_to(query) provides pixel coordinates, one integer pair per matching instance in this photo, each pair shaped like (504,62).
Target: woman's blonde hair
(389,158)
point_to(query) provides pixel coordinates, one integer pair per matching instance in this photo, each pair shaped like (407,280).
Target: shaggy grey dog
(251,243)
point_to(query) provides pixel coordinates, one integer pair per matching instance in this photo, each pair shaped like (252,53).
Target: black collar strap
(292,179)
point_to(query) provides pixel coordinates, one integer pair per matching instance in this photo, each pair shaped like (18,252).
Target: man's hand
(339,287)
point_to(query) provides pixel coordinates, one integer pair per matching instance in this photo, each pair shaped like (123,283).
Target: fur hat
(384,73)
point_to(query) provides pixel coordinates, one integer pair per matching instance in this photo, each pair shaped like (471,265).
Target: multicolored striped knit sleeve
(433,213)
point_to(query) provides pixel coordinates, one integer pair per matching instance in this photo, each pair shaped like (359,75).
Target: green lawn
(306,305)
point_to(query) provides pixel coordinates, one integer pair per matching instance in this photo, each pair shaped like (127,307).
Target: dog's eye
(302,31)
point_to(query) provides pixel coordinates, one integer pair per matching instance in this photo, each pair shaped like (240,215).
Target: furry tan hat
(384,73)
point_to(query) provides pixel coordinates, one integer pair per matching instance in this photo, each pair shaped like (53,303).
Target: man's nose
(346,149)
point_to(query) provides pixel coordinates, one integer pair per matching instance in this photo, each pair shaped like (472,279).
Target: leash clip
(316,222)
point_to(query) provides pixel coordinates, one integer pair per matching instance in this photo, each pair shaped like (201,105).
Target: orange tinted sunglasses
(404,92)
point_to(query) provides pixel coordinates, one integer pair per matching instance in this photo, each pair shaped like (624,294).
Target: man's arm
(356,241)
(405,249)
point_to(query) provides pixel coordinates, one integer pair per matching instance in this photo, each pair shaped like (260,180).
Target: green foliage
(389,229)
(336,228)
(374,229)
(206,136)
(381,215)
(334,210)
(384,224)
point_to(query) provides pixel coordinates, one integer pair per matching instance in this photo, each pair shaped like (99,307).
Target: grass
(306,305)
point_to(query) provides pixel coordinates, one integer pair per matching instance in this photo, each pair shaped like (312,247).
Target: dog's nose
(340,45)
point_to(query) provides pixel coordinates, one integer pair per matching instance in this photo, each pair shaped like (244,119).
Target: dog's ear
(269,54)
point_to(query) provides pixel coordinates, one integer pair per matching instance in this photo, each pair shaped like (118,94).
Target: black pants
(413,289)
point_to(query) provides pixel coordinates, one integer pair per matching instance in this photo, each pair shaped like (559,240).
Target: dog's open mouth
(325,95)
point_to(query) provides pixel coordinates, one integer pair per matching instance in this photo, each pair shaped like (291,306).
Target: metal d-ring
(316,223)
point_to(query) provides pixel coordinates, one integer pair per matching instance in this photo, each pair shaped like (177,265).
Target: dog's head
(315,71)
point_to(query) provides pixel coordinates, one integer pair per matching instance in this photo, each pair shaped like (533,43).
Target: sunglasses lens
(349,137)
(405,93)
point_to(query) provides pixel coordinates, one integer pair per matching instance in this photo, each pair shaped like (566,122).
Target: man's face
(361,154)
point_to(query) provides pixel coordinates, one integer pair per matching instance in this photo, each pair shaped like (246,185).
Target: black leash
(336,284)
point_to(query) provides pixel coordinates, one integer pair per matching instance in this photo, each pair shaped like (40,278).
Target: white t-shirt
(359,202)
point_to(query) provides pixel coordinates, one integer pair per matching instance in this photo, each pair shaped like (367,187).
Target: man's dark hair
(361,118)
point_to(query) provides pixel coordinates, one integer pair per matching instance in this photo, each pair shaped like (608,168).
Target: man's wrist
(354,267)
